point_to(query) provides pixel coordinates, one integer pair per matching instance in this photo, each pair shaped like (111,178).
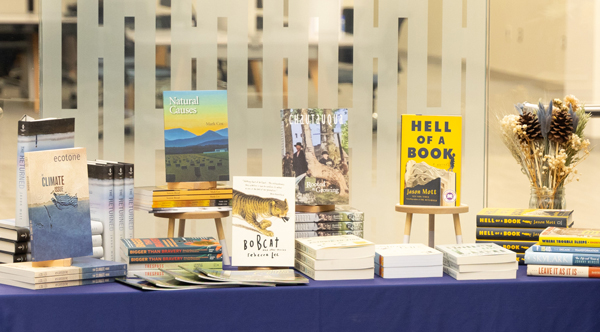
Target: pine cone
(533,130)
(561,126)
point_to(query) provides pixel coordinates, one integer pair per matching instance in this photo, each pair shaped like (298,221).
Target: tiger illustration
(251,208)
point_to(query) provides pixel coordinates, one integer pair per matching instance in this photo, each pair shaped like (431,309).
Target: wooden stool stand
(216,215)
(432,211)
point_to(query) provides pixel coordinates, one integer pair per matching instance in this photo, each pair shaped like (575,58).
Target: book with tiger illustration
(430,155)
(263,221)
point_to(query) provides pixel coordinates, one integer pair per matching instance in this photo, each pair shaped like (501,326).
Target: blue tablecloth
(429,304)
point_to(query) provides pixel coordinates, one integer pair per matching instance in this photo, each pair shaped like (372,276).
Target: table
(425,304)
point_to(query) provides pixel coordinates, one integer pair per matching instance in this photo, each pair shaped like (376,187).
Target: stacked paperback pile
(341,257)
(198,277)
(83,271)
(518,229)
(337,222)
(572,252)
(14,243)
(145,257)
(163,200)
(408,261)
(478,261)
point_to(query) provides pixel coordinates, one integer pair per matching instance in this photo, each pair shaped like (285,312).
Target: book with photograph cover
(263,221)
(196,136)
(315,153)
(430,160)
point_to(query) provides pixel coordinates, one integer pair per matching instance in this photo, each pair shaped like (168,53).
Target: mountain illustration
(178,133)
(208,136)
(223,132)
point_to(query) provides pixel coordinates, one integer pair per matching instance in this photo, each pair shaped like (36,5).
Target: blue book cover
(551,258)
(170,246)
(38,135)
(574,250)
(59,206)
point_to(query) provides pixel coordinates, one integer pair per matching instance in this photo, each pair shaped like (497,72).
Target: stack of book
(341,257)
(407,261)
(83,271)
(518,229)
(337,222)
(144,257)
(163,200)
(14,242)
(479,261)
(572,252)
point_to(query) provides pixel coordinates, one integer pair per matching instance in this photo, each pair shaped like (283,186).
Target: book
(263,221)
(300,234)
(172,258)
(129,198)
(527,218)
(330,226)
(409,271)
(506,233)
(79,265)
(563,271)
(97,226)
(338,215)
(334,264)
(336,247)
(570,237)
(171,283)
(145,285)
(334,274)
(476,253)
(516,246)
(171,198)
(102,203)
(65,277)
(521,258)
(164,191)
(214,265)
(14,233)
(59,207)
(170,246)
(8,257)
(559,258)
(38,135)
(120,203)
(573,250)
(315,153)
(60,284)
(403,255)
(196,136)
(277,276)
(145,273)
(195,203)
(14,247)
(482,267)
(430,160)
(481,275)
(188,209)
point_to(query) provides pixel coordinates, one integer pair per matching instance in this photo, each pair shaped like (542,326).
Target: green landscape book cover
(196,136)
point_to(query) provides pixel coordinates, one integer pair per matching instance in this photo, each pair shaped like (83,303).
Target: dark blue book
(572,250)
(555,258)
(170,246)
(173,258)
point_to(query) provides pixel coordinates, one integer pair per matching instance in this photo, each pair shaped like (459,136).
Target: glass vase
(543,198)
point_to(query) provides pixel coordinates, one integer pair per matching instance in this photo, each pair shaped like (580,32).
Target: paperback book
(170,246)
(430,158)
(409,271)
(303,234)
(164,191)
(330,226)
(563,271)
(334,264)
(570,237)
(263,221)
(338,215)
(476,253)
(403,255)
(334,274)
(80,265)
(8,257)
(14,233)
(172,258)
(315,153)
(516,246)
(505,233)
(14,247)
(59,207)
(480,275)
(102,203)
(129,198)
(120,202)
(558,258)
(572,250)
(214,265)
(527,218)
(336,247)
(196,136)
(65,277)
(61,284)
(38,135)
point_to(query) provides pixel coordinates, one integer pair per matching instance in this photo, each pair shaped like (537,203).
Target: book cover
(171,246)
(430,160)
(558,258)
(338,214)
(476,253)
(172,258)
(102,203)
(59,206)
(196,136)
(505,233)
(563,271)
(336,247)
(315,153)
(79,265)
(263,221)
(572,250)
(303,234)
(516,246)
(38,135)
(527,218)
(330,226)
(570,237)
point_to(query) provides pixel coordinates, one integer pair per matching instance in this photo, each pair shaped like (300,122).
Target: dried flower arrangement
(548,143)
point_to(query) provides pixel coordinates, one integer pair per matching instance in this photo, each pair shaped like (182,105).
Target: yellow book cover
(191,197)
(431,148)
(570,237)
(172,204)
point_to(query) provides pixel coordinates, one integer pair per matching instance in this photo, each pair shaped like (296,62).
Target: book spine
(18,258)
(23,234)
(82,276)
(569,241)
(146,273)
(527,234)
(309,251)
(73,283)
(190,192)
(330,226)
(172,251)
(521,221)
(129,198)
(217,265)
(106,268)
(22,212)
(187,197)
(174,258)
(521,258)
(303,234)
(304,269)
(97,227)
(119,228)
(572,250)
(563,271)
(305,259)
(173,204)
(532,257)
(21,248)
(336,216)
(516,246)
